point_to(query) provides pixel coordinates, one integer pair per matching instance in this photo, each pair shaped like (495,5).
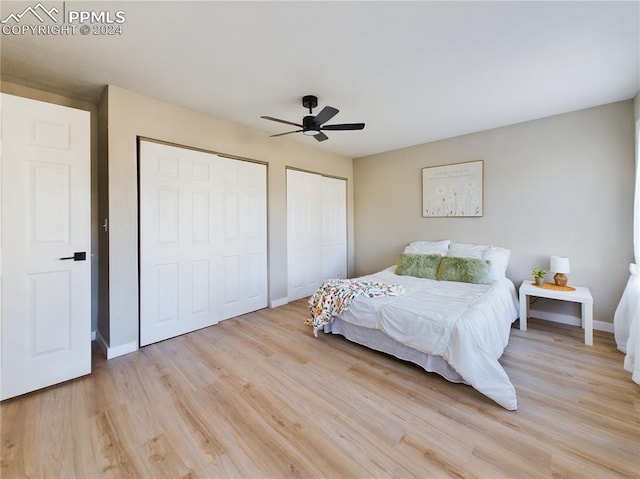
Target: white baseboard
(603,326)
(117,350)
(278,302)
(122,350)
(567,319)
(555,317)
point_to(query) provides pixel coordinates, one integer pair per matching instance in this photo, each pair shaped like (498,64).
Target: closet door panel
(334,233)
(244,237)
(316,231)
(304,233)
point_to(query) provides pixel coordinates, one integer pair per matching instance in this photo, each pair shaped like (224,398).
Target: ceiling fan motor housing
(309,122)
(309,125)
(310,102)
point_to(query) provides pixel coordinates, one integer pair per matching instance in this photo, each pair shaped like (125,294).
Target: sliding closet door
(334,228)
(241,237)
(316,231)
(304,233)
(203,255)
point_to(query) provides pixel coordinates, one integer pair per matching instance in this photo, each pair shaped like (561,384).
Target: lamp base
(560,279)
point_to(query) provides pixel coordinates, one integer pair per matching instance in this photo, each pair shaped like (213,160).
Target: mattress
(466,325)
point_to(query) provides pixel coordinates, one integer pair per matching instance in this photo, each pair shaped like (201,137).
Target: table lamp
(560,265)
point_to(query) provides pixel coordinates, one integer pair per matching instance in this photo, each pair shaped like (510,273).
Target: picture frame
(454,190)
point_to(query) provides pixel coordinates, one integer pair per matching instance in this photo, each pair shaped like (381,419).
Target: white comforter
(467,324)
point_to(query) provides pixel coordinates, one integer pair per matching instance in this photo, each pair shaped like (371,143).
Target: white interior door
(203,240)
(46,217)
(316,231)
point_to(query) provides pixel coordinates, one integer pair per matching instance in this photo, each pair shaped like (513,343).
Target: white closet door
(242,237)
(334,231)
(304,233)
(202,240)
(46,217)
(316,231)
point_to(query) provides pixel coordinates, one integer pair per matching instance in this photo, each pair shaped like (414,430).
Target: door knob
(78,256)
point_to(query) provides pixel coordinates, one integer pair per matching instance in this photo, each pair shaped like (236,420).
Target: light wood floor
(257,396)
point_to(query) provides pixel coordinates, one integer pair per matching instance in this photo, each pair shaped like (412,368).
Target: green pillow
(419,265)
(464,270)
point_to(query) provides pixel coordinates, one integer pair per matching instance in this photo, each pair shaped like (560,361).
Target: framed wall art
(454,190)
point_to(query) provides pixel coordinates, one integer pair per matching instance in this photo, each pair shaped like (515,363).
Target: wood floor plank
(259,397)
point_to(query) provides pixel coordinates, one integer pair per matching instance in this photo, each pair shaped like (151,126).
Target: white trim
(116,351)
(122,350)
(568,319)
(555,317)
(603,326)
(93,335)
(278,302)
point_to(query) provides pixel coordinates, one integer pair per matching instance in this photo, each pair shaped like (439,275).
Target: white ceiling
(414,72)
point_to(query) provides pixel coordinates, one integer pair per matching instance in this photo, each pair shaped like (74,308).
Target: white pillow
(497,256)
(428,247)
(465,250)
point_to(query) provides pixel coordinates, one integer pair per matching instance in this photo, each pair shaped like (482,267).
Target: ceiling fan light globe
(310,132)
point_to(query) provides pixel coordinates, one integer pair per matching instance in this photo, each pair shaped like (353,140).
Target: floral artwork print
(452,190)
(334,296)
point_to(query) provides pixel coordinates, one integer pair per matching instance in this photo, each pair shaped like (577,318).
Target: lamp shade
(559,264)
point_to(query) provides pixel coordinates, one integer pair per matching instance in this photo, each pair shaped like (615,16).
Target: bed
(450,321)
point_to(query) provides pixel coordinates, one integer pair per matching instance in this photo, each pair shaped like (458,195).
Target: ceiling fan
(313,125)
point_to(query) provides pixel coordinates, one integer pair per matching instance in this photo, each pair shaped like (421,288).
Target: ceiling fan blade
(321,137)
(325,114)
(344,126)
(287,133)
(281,121)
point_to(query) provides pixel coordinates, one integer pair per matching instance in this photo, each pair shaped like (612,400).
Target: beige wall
(557,186)
(131,115)
(26,92)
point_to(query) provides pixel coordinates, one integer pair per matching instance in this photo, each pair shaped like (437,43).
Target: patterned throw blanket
(334,296)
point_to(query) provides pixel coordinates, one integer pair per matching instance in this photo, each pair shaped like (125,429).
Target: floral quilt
(334,296)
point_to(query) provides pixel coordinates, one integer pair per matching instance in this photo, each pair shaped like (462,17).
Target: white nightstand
(581,295)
